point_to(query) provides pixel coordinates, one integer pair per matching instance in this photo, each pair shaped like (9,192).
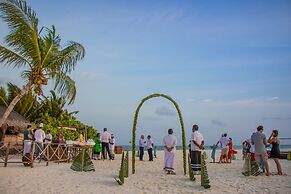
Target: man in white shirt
(169,142)
(105,138)
(224,148)
(112,146)
(39,136)
(197,144)
(150,145)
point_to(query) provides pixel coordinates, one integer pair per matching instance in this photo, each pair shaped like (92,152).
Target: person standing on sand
(150,145)
(105,137)
(141,147)
(275,151)
(39,136)
(169,142)
(98,147)
(224,148)
(27,137)
(259,141)
(197,144)
(112,146)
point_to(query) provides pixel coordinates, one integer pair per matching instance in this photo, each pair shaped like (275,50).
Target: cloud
(275,98)
(207,100)
(277,118)
(218,123)
(165,111)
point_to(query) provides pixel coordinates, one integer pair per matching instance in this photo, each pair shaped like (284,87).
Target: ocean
(235,147)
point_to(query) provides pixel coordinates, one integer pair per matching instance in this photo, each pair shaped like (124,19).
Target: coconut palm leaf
(39,53)
(83,162)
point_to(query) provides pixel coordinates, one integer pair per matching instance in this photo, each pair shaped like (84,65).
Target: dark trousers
(196,160)
(150,152)
(105,148)
(141,153)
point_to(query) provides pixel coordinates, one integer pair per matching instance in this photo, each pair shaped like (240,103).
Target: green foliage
(204,173)
(135,124)
(121,171)
(126,165)
(50,110)
(83,162)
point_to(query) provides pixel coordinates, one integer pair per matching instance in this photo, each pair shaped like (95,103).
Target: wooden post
(47,153)
(32,154)
(7,154)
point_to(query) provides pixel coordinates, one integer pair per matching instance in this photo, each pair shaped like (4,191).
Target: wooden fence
(45,152)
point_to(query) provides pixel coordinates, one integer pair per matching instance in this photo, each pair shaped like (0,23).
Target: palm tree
(26,106)
(38,53)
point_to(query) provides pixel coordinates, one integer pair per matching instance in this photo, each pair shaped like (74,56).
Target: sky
(226,63)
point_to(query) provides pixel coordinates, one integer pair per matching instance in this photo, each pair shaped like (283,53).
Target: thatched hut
(15,125)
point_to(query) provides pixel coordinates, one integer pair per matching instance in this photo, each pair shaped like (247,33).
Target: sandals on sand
(171,172)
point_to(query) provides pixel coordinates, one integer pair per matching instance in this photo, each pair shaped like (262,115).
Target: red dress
(230,151)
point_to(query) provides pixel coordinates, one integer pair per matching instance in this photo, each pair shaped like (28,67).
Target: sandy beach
(149,178)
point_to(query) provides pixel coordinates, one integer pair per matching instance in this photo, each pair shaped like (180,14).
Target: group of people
(104,143)
(39,137)
(149,144)
(255,149)
(227,150)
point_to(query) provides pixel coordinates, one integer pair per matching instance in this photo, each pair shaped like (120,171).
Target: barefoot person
(105,137)
(224,148)
(150,145)
(141,147)
(275,151)
(259,141)
(197,144)
(170,142)
(27,137)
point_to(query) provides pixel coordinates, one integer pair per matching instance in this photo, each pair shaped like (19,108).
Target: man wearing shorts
(259,141)
(224,148)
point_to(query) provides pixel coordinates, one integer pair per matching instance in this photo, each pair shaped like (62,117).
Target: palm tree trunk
(10,108)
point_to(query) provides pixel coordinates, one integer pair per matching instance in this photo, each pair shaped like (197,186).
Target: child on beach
(213,147)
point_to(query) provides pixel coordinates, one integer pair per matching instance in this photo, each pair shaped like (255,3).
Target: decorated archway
(135,123)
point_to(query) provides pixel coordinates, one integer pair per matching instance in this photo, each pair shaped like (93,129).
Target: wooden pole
(32,155)
(7,154)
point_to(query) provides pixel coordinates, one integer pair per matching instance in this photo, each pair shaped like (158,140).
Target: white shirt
(150,143)
(224,142)
(105,137)
(39,136)
(47,137)
(198,138)
(111,143)
(170,141)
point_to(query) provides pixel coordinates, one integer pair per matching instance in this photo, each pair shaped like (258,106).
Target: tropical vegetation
(38,52)
(50,110)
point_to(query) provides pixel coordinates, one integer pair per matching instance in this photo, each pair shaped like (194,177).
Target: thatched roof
(14,119)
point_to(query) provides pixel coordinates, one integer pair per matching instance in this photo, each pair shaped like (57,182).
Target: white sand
(149,178)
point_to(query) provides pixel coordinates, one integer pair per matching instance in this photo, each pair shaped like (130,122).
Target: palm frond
(65,86)
(23,23)
(3,97)
(9,57)
(50,46)
(69,56)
